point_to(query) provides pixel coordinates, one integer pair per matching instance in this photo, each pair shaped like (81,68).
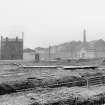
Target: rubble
(71,96)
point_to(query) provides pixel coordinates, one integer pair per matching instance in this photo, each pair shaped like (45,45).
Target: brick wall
(11,49)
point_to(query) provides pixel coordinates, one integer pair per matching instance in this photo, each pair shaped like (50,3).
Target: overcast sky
(53,21)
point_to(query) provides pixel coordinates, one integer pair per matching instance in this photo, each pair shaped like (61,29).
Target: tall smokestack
(84,36)
(23,35)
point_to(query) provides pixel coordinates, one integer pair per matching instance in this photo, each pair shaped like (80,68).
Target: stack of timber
(95,79)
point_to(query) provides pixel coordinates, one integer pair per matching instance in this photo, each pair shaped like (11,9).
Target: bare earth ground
(10,72)
(57,94)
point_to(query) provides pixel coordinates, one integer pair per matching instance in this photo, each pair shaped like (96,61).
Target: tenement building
(11,48)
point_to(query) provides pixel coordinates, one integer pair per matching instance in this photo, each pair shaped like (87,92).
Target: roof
(11,39)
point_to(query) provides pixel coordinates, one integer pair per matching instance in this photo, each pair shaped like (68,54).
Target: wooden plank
(63,67)
(25,66)
(80,67)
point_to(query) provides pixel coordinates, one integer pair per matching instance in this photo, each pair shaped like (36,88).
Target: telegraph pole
(23,43)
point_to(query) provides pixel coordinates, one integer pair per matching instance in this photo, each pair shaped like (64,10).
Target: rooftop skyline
(51,22)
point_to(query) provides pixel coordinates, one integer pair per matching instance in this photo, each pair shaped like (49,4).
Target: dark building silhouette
(37,57)
(11,48)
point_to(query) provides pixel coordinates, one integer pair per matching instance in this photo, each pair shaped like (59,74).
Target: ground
(9,71)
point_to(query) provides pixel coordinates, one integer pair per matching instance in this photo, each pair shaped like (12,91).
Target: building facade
(87,50)
(75,50)
(11,49)
(92,49)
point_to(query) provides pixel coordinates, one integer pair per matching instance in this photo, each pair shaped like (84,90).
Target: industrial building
(92,49)
(11,48)
(87,50)
(74,50)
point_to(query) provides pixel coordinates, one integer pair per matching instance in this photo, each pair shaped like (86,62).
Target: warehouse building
(11,48)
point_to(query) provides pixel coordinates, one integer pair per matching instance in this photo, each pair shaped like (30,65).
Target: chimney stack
(84,36)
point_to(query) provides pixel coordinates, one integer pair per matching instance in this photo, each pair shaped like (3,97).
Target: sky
(52,22)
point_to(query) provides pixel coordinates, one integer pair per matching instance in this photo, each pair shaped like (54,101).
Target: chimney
(1,38)
(23,35)
(16,38)
(6,38)
(84,36)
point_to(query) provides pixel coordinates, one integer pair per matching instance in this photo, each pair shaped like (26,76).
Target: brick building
(92,49)
(11,48)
